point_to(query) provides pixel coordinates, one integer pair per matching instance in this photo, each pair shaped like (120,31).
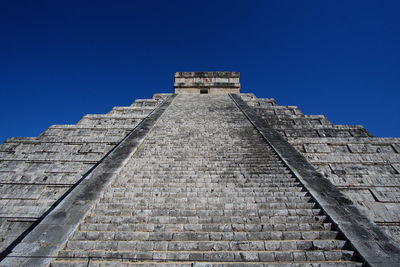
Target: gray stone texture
(365,168)
(372,244)
(216,82)
(205,187)
(36,172)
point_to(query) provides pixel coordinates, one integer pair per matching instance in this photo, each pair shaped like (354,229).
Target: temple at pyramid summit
(203,175)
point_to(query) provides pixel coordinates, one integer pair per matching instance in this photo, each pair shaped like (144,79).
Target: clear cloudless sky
(60,60)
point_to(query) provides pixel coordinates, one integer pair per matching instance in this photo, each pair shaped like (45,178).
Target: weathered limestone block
(109,119)
(301,133)
(35,172)
(205,185)
(365,168)
(317,148)
(263,103)
(131,110)
(207,82)
(146,103)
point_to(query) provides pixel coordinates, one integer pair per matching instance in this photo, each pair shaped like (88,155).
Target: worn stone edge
(40,246)
(374,247)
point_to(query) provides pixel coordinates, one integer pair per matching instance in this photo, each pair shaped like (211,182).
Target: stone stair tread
(220,256)
(210,205)
(199,243)
(207,227)
(237,206)
(205,235)
(260,210)
(94,262)
(215,219)
(214,213)
(208,190)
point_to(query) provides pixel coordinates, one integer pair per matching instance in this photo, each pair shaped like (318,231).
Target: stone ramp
(205,187)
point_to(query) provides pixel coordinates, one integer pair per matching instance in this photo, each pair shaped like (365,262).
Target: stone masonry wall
(365,168)
(36,171)
(217,82)
(204,186)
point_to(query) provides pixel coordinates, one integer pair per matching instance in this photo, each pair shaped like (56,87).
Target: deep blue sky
(60,60)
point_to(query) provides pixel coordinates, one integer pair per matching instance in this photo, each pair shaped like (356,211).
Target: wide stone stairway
(205,187)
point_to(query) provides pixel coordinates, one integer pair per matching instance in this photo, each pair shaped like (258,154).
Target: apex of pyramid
(212,82)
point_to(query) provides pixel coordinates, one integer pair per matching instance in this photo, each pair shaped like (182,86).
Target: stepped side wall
(36,171)
(204,186)
(365,168)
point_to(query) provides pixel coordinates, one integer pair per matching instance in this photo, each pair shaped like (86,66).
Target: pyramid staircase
(205,188)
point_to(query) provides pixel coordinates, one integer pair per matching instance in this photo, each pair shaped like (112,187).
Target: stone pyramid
(207,176)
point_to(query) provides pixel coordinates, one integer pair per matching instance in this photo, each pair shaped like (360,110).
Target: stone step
(204,174)
(202,182)
(225,162)
(176,227)
(231,162)
(218,152)
(212,196)
(22,211)
(318,256)
(194,196)
(209,175)
(201,245)
(245,161)
(178,166)
(199,186)
(193,189)
(264,206)
(272,182)
(193,205)
(216,192)
(204,236)
(206,187)
(228,157)
(207,213)
(200,220)
(130,197)
(167,263)
(224,175)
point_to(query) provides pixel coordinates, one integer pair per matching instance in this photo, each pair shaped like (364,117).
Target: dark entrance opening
(203,91)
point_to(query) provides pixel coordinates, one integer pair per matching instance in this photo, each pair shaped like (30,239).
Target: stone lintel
(217,82)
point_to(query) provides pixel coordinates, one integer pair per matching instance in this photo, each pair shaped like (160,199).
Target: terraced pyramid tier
(205,187)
